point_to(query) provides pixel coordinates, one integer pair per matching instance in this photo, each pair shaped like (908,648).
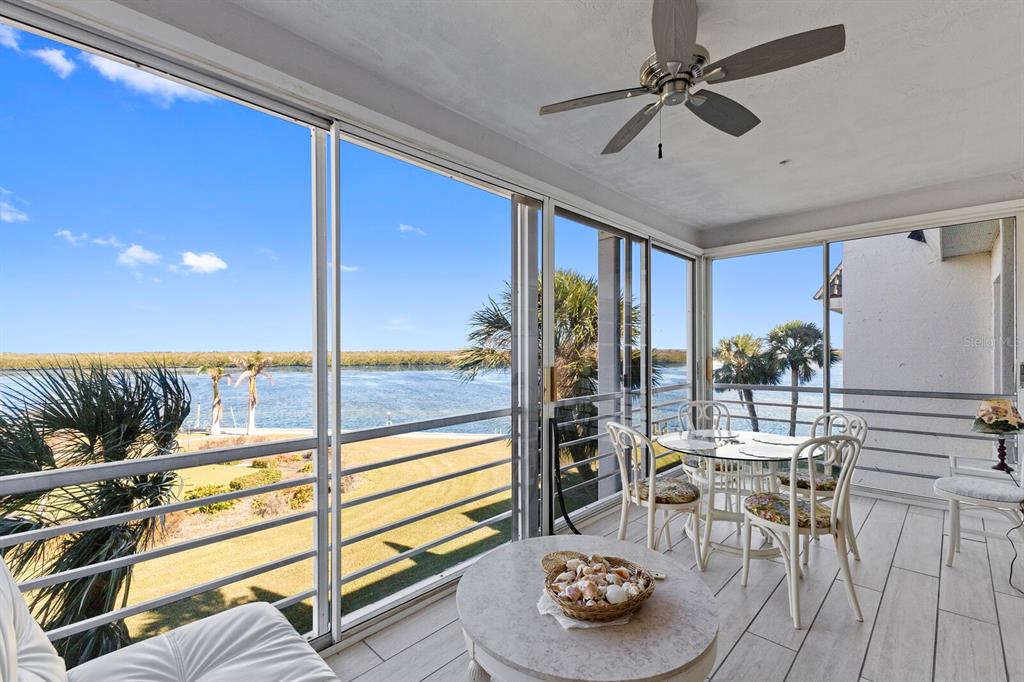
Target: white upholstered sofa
(250,643)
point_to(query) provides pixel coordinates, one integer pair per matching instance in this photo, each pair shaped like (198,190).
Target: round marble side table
(672,637)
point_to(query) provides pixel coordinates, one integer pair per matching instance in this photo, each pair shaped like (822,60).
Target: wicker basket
(598,613)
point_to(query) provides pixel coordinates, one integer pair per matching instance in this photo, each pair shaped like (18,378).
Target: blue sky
(137,214)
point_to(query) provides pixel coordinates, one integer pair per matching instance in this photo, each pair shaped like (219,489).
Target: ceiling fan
(679,63)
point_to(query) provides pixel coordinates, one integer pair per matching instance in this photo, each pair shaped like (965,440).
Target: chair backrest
(840,423)
(636,457)
(827,450)
(705,414)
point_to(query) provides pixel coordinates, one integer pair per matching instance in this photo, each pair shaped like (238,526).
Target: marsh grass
(369,358)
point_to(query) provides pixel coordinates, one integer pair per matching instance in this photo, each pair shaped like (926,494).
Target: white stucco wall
(912,321)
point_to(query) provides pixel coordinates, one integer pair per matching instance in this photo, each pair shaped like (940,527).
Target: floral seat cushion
(821,483)
(670,491)
(775,508)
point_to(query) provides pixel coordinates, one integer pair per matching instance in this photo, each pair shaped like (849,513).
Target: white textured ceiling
(927,92)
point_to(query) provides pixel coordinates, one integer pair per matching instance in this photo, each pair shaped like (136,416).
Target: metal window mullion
(547,362)
(321,573)
(826,368)
(142,607)
(336,417)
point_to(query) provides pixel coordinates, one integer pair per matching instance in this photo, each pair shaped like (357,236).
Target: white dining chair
(708,414)
(641,487)
(789,517)
(828,424)
(973,488)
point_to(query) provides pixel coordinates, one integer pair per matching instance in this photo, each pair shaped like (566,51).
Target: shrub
(206,491)
(269,504)
(255,479)
(264,464)
(306,468)
(301,497)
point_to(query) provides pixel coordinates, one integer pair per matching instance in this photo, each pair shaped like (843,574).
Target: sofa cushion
(979,489)
(26,655)
(249,643)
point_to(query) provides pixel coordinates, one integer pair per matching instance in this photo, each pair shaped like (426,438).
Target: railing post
(335,515)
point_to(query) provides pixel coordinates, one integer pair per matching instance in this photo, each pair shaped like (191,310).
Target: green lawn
(183,570)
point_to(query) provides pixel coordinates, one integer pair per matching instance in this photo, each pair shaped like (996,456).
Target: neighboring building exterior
(931,315)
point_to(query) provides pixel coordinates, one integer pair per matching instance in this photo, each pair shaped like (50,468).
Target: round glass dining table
(728,459)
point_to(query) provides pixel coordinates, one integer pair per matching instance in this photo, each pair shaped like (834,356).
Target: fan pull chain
(659,134)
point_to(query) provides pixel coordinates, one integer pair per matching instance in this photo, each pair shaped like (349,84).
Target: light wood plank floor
(923,622)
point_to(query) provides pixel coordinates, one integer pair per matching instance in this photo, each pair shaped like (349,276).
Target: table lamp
(998,417)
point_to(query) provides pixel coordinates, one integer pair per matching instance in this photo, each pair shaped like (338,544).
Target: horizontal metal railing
(874,431)
(70,476)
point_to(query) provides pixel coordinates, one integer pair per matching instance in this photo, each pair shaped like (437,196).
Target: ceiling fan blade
(674,25)
(632,128)
(723,113)
(591,100)
(783,53)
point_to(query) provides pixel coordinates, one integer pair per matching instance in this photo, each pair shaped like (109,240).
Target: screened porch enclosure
(499,328)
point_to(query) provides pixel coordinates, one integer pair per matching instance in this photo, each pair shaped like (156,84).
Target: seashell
(616,594)
(589,570)
(632,589)
(591,602)
(573,593)
(621,571)
(571,564)
(565,577)
(580,569)
(597,559)
(614,579)
(590,589)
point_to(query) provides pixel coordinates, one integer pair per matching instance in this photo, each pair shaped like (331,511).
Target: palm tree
(216,373)
(252,366)
(77,417)
(576,365)
(745,361)
(801,347)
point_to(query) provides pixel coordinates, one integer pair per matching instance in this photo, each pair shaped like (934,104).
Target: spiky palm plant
(80,416)
(252,366)
(746,361)
(216,373)
(800,346)
(576,366)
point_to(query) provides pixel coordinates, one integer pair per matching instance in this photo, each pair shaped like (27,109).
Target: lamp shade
(997,416)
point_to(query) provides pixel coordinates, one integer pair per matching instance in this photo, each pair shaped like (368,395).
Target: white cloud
(269,253)
(109,241)
(162,90)
(349,268)
(409,229)
(55,59)
(70,237)
(136,255)
(9,38)
(9,213)
(203,263)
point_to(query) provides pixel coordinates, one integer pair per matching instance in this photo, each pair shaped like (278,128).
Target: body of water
(377,396)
